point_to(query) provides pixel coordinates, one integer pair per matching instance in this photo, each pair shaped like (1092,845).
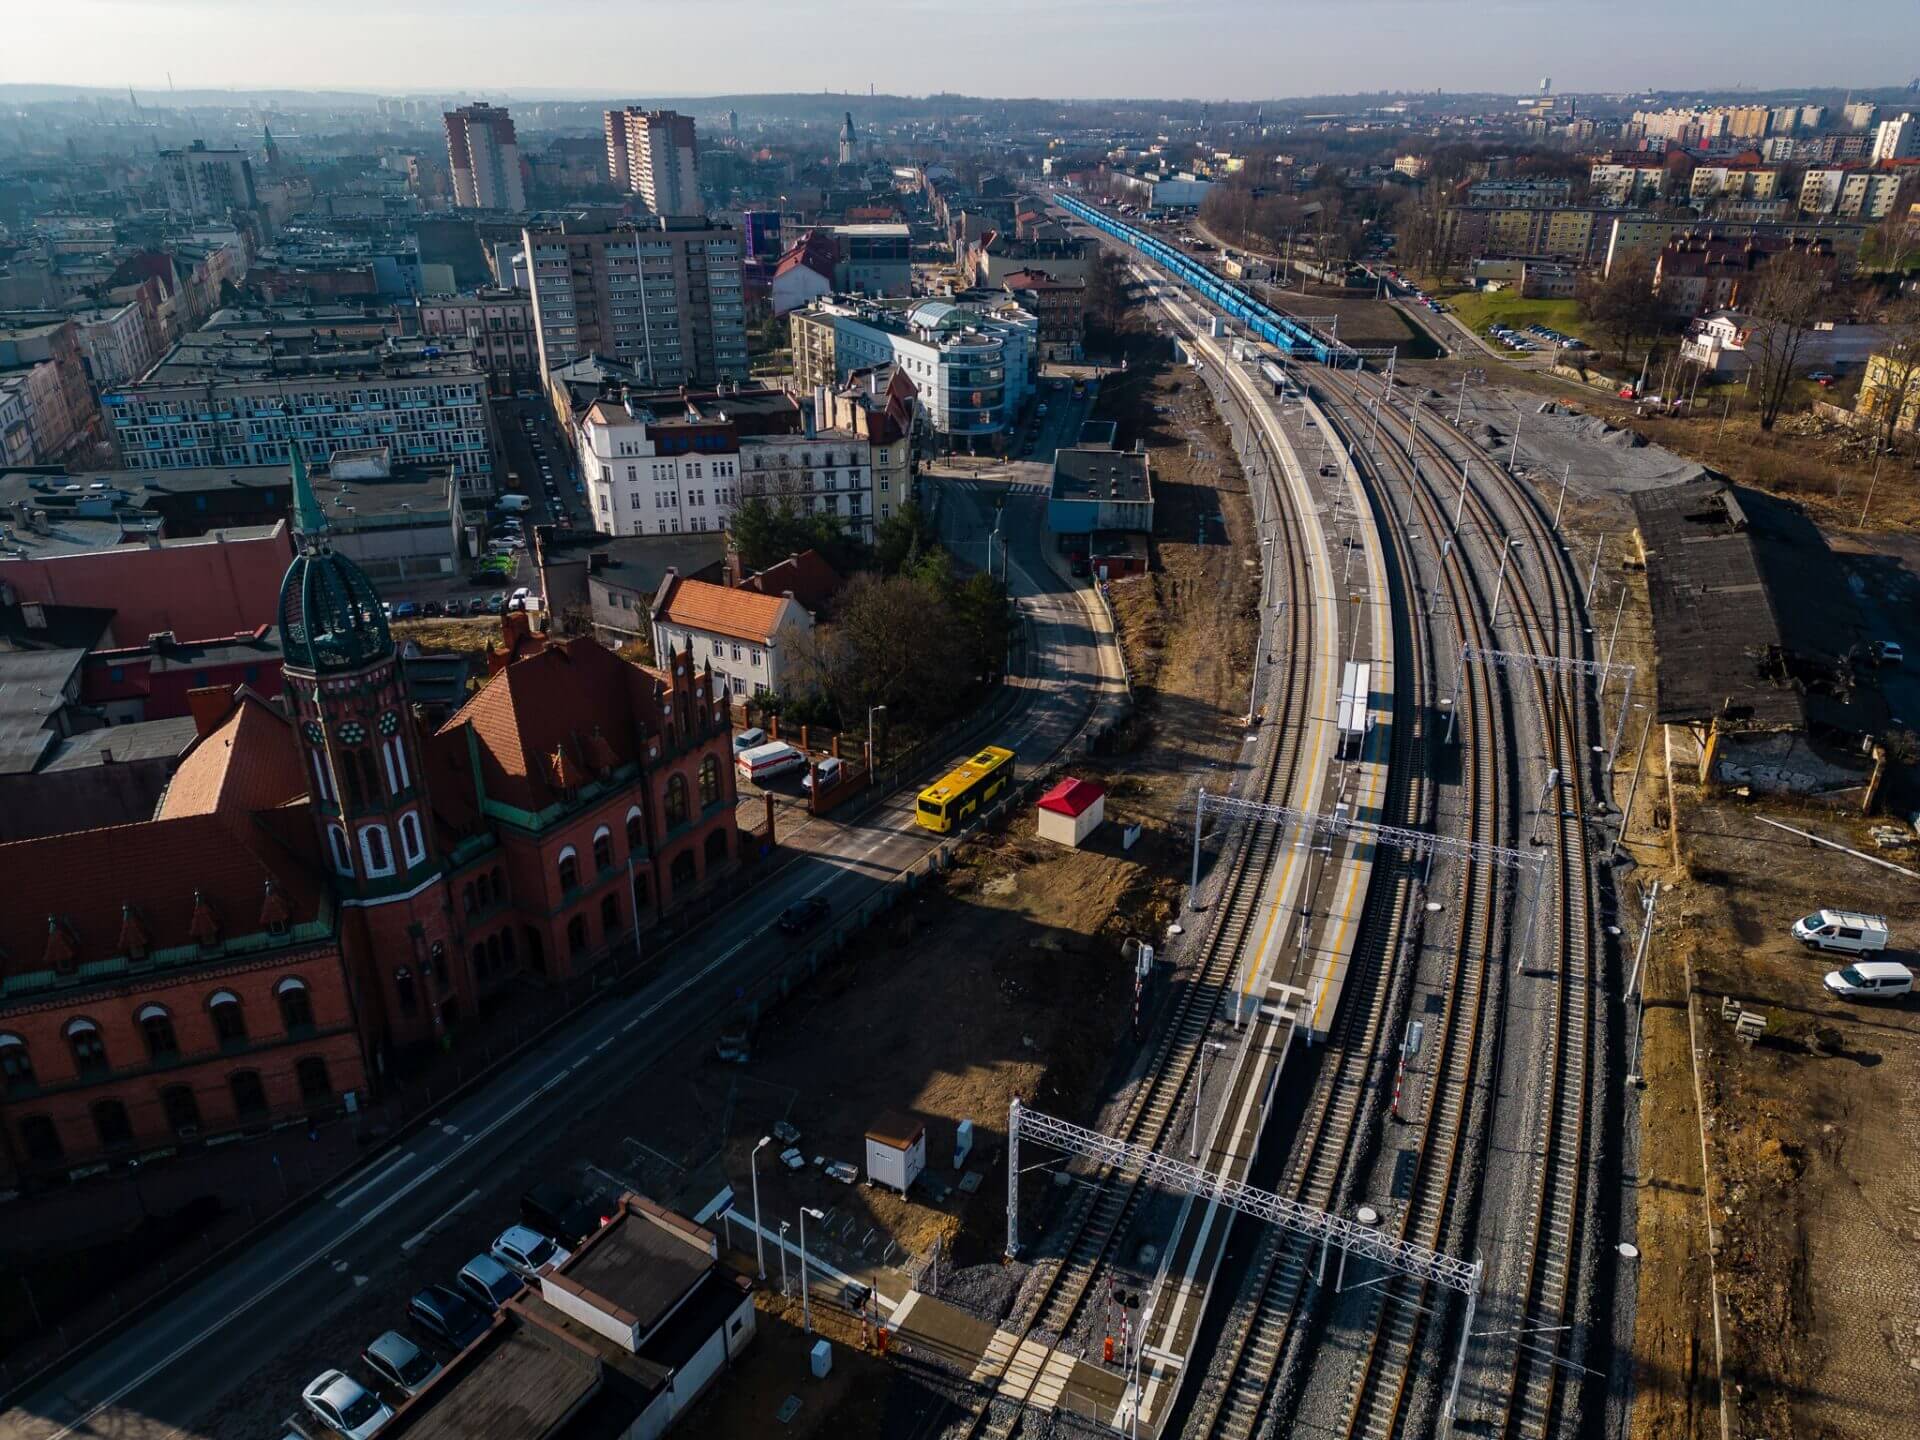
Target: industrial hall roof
(1753,619)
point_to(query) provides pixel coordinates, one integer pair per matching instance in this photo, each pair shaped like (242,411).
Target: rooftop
(33,691)
(640,562)
(1752,616)
(1110,475)
(234,358)
(517,1382)
(643,1263)
(141,740)
(718,610)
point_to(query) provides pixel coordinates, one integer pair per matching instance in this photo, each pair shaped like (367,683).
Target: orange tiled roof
(720,610)
(250,761)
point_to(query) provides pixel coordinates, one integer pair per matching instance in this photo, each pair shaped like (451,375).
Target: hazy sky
(1198,48)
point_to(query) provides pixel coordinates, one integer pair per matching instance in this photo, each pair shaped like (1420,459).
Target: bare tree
(1788,294)
(1894,371)
(1621,306)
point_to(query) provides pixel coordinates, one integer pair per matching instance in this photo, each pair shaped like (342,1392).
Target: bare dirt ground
(1809,1142)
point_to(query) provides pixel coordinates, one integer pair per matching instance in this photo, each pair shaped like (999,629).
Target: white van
(827,772)
(764,761)
(513,504)
(752,738)
(1843,930)
(1871,980)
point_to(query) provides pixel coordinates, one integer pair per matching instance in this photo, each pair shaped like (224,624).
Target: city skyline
(1072,49)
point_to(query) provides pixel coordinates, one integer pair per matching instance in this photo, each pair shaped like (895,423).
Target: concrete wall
(1786,764)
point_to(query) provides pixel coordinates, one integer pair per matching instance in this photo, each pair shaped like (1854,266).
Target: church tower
(369,798)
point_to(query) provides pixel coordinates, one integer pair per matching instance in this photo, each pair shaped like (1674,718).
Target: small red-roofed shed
(1071,811)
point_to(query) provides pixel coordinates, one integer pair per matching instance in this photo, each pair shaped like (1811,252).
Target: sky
(1202,49)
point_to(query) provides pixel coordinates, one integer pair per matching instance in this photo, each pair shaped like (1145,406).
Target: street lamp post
(873,756)
(785,1225)
(753,1170)
(1199,1089)
(806,1303)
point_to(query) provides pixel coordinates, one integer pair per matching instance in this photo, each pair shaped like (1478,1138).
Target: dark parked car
(432,608)
(803,915)
(448,1315)
(489,1283)
(559,1214)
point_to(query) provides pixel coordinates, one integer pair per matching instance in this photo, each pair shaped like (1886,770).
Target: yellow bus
(959,795)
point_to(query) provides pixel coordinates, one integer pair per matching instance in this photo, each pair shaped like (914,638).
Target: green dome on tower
(330,616)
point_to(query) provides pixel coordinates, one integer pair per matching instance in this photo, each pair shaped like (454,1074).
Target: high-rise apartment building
(652,153)
(1897,139)
(484,158)
(207,183)
(664,296)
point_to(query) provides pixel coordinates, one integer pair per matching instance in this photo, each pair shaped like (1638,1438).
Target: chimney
(209,705)
(106,755)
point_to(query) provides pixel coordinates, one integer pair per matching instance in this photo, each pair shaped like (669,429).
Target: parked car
(1871,980)
(828,772)
(1844,930)
(1889,652)
(748,739)
(432,609)
(489,1283)
(556,1211)
(518,600)
(342,1403)
(803,915)
(520,1248)
(405,609)
(447,1315)
(399,1362)
(497,603)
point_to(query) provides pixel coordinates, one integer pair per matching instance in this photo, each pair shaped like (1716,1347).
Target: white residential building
(747,637)
(1897,139)
(970,364)
(207,183)
(830,472)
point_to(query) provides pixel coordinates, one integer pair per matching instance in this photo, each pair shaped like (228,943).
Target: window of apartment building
(674,527)
(755,658)
(249,1095)
(736,652)
(698,522)
(885,510)
(16,1066)
(296,1005)
(229,1020)
(111,1123)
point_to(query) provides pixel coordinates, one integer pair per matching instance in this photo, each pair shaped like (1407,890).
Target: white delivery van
(1844,930)
(765,761)
(1871,980)
(752,738)
(514,504)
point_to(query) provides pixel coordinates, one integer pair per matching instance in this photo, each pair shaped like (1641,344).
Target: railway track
(1102,1211)
(1378,1391)
(1546,611)
(1239,1400)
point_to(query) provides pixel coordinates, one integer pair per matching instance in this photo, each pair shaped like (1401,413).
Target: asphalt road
(158,1377)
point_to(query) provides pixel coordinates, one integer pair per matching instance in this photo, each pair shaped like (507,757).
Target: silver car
(527,1250)
(342,1403)
(401,1363)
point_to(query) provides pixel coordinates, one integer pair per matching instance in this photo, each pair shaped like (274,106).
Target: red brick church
(324,887)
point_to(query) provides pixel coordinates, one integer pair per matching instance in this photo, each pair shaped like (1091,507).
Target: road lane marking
(603,1045)
(85,1422)
(385,1172)
(427,1230)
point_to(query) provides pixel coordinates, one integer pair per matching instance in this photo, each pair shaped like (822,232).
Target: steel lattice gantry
(1350,1237)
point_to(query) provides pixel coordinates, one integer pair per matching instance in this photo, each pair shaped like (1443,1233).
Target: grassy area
(1478,309)
(469,636)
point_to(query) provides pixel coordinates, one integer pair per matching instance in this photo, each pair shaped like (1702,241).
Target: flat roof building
(1100,490)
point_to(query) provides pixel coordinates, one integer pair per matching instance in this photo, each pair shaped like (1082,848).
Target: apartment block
(664,296)
(499,325)
(653,153)
(484,156)
(1734,182)
(1896,139)
(49,410)
(239,399)
(1629,179)
(1853,192)
(207,183)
